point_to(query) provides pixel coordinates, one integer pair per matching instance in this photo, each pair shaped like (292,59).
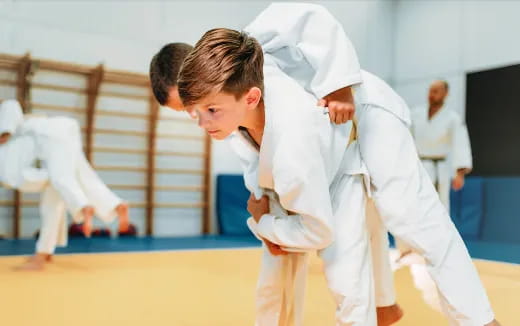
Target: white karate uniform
(443,146)
(67,180)
(305,167)
(310,45)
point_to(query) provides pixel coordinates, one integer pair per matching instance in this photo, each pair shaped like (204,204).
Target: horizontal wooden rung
(179,171)
(120,132)
(187,154)
(157,188)
(7,82)
(59,108)
(177,136)
(144,151)
(119,150)
(124,95)
(59,88)
(127,187)
(29,203)
(179,188)
(144,169)
(122,114)
(120,168)
(179,205)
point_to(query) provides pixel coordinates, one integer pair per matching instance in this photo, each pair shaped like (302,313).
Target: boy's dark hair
(222,60)
(165,67)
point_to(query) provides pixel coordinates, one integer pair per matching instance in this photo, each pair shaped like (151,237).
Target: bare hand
(340,104)
(4,138)
(458,182)
(274,249)
(259,207)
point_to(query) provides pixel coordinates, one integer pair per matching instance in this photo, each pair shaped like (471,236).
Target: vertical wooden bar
(150,172)
(206,216)
(22,82)
(94,83)
(22,95)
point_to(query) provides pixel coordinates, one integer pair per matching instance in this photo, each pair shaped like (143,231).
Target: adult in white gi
(67,180)
(310,45)
(442,142)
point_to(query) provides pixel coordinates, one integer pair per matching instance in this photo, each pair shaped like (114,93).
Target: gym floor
(144,282)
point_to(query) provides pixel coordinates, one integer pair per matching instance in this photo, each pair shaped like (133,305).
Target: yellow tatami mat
(193,288)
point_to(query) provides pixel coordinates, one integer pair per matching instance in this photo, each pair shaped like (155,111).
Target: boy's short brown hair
(222,60)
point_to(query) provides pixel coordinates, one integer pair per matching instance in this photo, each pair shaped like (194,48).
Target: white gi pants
(347,264)
(410,209)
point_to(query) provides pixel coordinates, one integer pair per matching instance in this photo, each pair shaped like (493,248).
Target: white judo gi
(66,179)
(310,45)
(443,146)
(317,200)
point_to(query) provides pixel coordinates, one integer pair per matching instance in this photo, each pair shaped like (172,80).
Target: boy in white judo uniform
(297,158)
(442,142)
(310,46)
(164,69)
(67,181)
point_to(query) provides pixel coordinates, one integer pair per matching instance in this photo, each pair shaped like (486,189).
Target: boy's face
(221,113)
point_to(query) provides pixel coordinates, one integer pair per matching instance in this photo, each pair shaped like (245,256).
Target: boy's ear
(253,96)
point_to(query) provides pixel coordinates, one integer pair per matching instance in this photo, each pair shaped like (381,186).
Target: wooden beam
(23,82)
(32,203)
(94,83)
(121,132)
(206,215)
(150,173)
(59,88)
(145,169)
(124,95)
(7,82)
(184,154)
(157,188)
(22,95)
(59,108)
(180,205)
(122,114)
(180,188)
(177,136)
(119,150)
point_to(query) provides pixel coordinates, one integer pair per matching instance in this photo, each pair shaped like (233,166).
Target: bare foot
(88,215)
(34,263)
(389,315)
(124,218)
(493,323)
(48,258)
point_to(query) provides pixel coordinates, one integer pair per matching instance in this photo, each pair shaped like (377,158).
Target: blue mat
(232,198)
(100,245)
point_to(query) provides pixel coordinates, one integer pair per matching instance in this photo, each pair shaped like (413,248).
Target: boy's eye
(212,110)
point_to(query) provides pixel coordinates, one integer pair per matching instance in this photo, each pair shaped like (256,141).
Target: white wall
(125,35)
(447,39)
